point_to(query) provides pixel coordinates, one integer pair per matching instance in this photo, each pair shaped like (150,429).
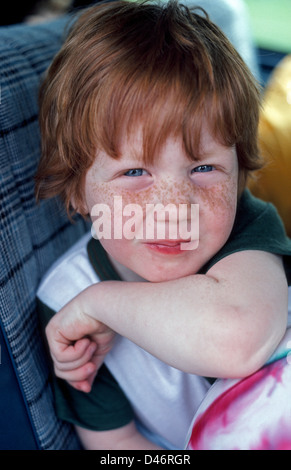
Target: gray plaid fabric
(31,236)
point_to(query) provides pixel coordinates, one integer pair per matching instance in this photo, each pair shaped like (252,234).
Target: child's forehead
(132,144)
(131,151)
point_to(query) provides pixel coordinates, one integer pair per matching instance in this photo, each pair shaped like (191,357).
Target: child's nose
(174,191)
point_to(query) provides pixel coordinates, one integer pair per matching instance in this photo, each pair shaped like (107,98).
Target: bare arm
(125,438)
(223,324)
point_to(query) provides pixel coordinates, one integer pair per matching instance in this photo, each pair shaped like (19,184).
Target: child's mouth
(166,247)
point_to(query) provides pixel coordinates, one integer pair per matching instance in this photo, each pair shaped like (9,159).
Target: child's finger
(68,351)
(82,373)
(86,385)
(82,386)
(75,356)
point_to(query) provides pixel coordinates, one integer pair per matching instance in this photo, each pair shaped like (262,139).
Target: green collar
(100,261)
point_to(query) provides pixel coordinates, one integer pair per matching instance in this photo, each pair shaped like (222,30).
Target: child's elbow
(250,347)
(244,363)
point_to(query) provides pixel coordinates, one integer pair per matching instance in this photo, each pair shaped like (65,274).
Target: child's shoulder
(260,225)
(67,276)
(255,211)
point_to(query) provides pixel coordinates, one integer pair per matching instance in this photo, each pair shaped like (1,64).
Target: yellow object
(273,182)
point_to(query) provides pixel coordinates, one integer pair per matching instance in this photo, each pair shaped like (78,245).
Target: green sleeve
(104,408)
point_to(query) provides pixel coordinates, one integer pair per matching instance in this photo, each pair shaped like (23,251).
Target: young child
(151,104)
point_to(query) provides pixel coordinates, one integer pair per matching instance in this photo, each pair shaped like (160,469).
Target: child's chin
(162,277)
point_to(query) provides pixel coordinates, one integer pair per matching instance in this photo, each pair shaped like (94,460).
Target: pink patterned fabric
(248,414)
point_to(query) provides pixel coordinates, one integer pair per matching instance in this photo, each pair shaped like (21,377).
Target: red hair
(165,67)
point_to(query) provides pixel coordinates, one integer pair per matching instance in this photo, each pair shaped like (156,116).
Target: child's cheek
(219,198)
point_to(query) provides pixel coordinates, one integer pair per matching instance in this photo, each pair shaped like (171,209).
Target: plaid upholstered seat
(32,237)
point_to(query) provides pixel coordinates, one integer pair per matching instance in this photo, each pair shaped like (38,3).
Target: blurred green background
(271,24)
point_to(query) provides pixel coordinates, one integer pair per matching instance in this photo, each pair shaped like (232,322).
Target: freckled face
(211,182)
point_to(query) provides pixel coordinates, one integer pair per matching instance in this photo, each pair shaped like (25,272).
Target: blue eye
(134,172)
(203,169)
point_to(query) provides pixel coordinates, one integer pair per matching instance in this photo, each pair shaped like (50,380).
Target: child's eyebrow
(131,158)
(132,155)
(210,149)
